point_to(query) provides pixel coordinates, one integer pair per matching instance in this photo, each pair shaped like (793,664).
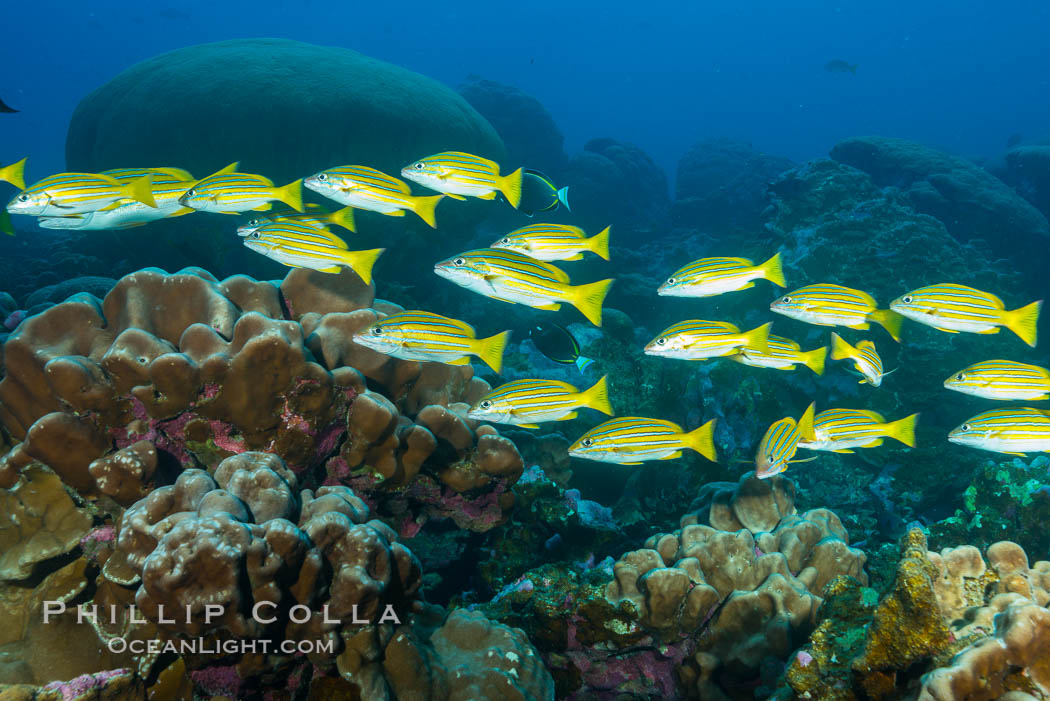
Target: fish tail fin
(292,195)
(589,298)
(425,206)
(490,350)
(889,320)
(903,430)
(583,363)
(361,262)
(702,440)
(597,397)
(510,186)
(599,243)
(563,197)
(15,174)
(840,347)
(345,218)
(758,338)
(773,270)
(805,424)
(1023,321)
(140,190)
(814,359)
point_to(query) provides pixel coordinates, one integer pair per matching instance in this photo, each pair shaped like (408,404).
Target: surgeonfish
(540,194)
(825,304)
(77,193)
(550,242)
(865,358)
(782,354)
(1002,379)
(527,403)
(14,173)
(697,340)
(233,193)
(459,175)
(418,335)
(777,448)
(708,277)
(631,440)
(558,344)
(514,277)
(1013,431)
(304,246)
(367,188)
(841,430)
(954,308)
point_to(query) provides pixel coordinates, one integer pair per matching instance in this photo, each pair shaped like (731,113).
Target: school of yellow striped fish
(518,268)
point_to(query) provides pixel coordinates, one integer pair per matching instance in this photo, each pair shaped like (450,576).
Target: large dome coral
(282,108)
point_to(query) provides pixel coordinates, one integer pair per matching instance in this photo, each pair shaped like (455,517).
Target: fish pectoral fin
(804,459)
(458,197)
(843,450)
(672,456)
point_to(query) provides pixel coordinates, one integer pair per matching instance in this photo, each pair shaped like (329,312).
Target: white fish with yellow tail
(233,193)
(778,447)
(65,194)
(367,188)
(708,277)
(841,430)
(697,339)
(1013,431)
(825,304)
(527,403)
(954,308)
(305,246)
(1002,379)
(865,358)
(782,354)
(516,278)
(461,175)
(631,440)
(423,336)
(552,242)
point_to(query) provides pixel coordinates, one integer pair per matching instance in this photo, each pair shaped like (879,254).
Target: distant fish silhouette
(839,66)
(1014,140)
(6,109)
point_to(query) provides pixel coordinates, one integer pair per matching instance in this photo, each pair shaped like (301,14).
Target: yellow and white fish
(551,242)
(841,430)
(527,403)
(314,216)
(157,175)
(14,173)
(514,277)
(708,277)
(460,175)
(631,440)
(304,246)
(1002,379)
(233,193)
(697,340)
(782,354)
(777,448)
(1013,431)
(865,358)
(78,193)
(954,308)
(368,188)
(825,304)
(417,335)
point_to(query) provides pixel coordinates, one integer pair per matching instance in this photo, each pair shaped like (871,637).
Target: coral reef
(1027,170)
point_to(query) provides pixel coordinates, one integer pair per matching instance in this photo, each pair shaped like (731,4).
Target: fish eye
(670,281)
(486,404)
(254,235)
(191,192)
(23,198)
(960,376)
(785,300)
(322,177)
(506,240)
(906,299)
(459,261)
(377,331)
(586,442)
(661,341)
(419,166)
(964,427)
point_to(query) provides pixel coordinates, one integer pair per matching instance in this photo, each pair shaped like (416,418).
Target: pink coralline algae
(79,686)
(650,671)
(14,319)
(804,658)
(218,681)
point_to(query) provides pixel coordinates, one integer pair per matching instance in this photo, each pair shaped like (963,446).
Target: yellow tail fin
(344,217)
(889,320)
(772,271)
(758,338)
(1023,321)
(903,430)
(15,173)
(814,359)
(361,262)
(599,243)
(510,186)
(588,299)
(805,424)
(490,350)
(702,440)
(140,190)
(425,206)
(840,348)
(597,397)
(291,194)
